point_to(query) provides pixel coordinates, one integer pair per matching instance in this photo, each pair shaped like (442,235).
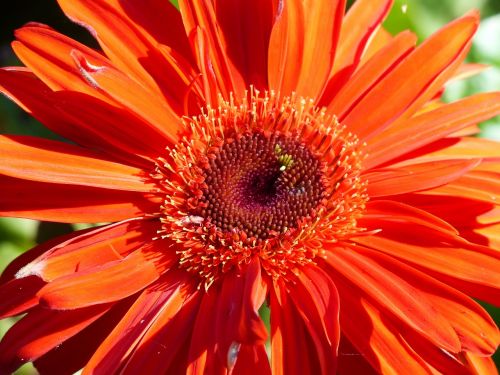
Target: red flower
(250,154)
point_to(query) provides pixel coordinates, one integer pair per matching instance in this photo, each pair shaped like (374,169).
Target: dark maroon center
(261,185)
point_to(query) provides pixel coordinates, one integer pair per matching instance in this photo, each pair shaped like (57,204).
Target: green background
(421,16)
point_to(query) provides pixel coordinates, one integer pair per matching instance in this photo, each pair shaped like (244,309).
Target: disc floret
(266,177)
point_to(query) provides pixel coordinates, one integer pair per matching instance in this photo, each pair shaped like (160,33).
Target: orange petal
(83,119)
(361,22)
(129,32)
(91,249)
(469,268)
(403,213)
(292,348)
(40,331)
(201,15)
(238,320)
(158,302)
(246,26)
(413,81)
(19,295)
(70,203)
(202,356)
(48,54)
(375,336)
(317,300)
(302,46)
(416,177)
(107,283)
(396,295)
(42,160)
(131,95)
(476,330)
(481,365)
(431,126)
(468,70)
(477,185)
(339,100)
(165,340)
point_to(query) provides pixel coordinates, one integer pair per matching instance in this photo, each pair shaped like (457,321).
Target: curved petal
(360,23)
(19,295)
(129,32)
(109,282)
(476,331)
(164,297)
(376,336)
(449,258)
(165,341)
(42,330)
(317,300)
(416,176)
(395,295)
(76,351)
(292,348)
(339,100)
(246,26)
(238,320)
(302,46)
(90,249)
(84,119)
(200,16)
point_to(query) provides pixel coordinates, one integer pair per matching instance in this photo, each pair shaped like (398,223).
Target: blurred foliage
(421,16)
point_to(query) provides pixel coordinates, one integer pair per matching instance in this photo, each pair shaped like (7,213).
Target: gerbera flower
(251,155)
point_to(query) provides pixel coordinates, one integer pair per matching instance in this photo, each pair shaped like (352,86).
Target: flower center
(269,177)
(260,185)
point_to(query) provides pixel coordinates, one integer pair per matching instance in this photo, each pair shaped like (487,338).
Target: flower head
(287,156)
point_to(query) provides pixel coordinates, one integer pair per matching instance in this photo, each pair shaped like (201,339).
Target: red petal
(252,360)
(42,330)
(432,125)
(396,295)
(48,55)
(375,336)
(129,32)
(369,74)
(202,357)
(317,300)
(162,345)
(107,283)
(412,80)
(362,20)
(70,203)
(238,320)
(42,160)
(200,16)
(76,351)
(246,26)
(449,258)
(83,119)
(19,295)
(416,177)
(351,361)
(91,249)
(473,326)
(302,46)
(292,348)
(164,297)
(391,211)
